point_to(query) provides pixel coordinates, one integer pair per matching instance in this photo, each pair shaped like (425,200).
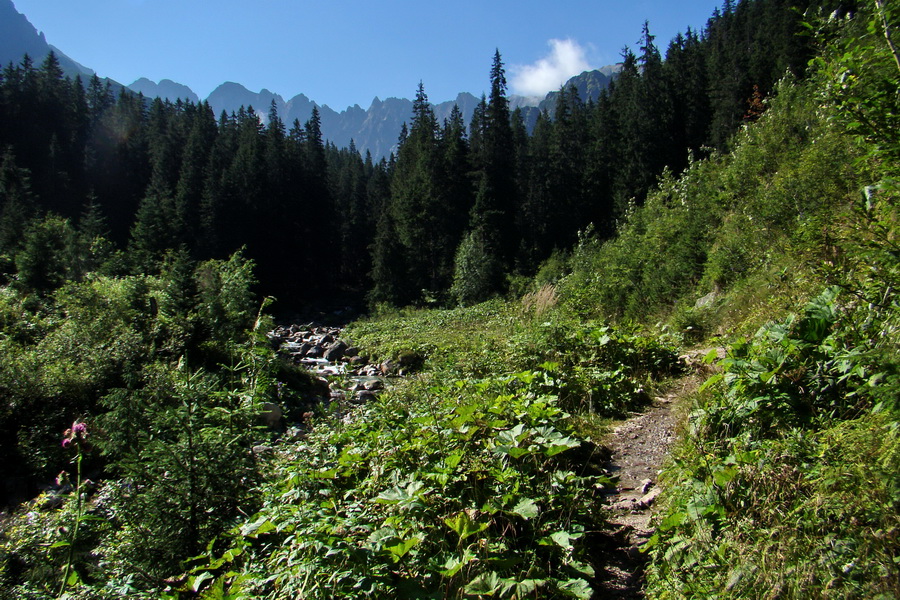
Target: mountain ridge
(375,129)
(19,37)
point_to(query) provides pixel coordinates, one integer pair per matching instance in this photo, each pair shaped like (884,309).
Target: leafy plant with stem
(75,438)
(468,488)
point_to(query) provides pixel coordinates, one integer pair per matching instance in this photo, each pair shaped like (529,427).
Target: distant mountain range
(375,129)
(18,37)
(165,89)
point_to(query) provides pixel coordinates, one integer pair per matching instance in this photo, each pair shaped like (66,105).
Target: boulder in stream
(335,351)
(364,396)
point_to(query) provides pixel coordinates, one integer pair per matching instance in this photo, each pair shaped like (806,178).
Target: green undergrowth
(598,368)
(786,483)
(166,377)
(470,488)
(450,486)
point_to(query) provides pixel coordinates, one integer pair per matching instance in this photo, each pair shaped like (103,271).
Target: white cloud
(566,59)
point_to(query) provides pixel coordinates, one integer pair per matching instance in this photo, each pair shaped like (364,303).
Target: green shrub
(442,491)
(478,272)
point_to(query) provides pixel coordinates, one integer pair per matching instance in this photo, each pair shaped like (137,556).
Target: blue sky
(345,52)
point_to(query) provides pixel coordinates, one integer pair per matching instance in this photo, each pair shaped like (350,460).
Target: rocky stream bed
(343,375)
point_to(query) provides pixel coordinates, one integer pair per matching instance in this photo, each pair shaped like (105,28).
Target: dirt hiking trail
(639,447)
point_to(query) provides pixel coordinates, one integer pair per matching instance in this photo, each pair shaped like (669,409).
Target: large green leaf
(258,527)
(526,508)
(577,588)
(400,549)
(464,525)
(486,584)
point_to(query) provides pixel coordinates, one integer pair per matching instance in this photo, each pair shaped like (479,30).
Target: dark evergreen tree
(217,198)
(95,249)
(16,207)
(456,185)
(687,82)
(272,201)
(567,164)
(389,270)
(163,148)
(629,169)
(348,188)
(245,183)
(117,163)
(99,97)
(320,246)
(193,173)
(476,132)
(418,208)
(497,160)
(93,224)
(492,223)
(727,75)
(48,255)
(52,145)
(519,147)
(656,114)
(534,215)
(152,234)
(644,123)
(602,163)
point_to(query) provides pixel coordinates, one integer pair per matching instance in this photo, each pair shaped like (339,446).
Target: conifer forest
(237,361)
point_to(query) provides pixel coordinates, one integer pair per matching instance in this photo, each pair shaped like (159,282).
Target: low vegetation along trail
(638,449)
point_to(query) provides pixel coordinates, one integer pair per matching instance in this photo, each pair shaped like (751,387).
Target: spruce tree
(567,156)
(17,206)
(456,184)
(421,215)
(602,164)
(48,255)
(117,162)
(152,234)
(476,132)
(192,174)
(534,216)
(686,79)
(497,161)
(390,281)
(492,221)
(217,198)
(656,113)
(318,208)
(99,97)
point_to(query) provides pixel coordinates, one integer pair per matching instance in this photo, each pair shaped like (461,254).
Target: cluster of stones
(324,352)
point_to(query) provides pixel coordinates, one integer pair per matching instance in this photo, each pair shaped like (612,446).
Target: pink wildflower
(77,434)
